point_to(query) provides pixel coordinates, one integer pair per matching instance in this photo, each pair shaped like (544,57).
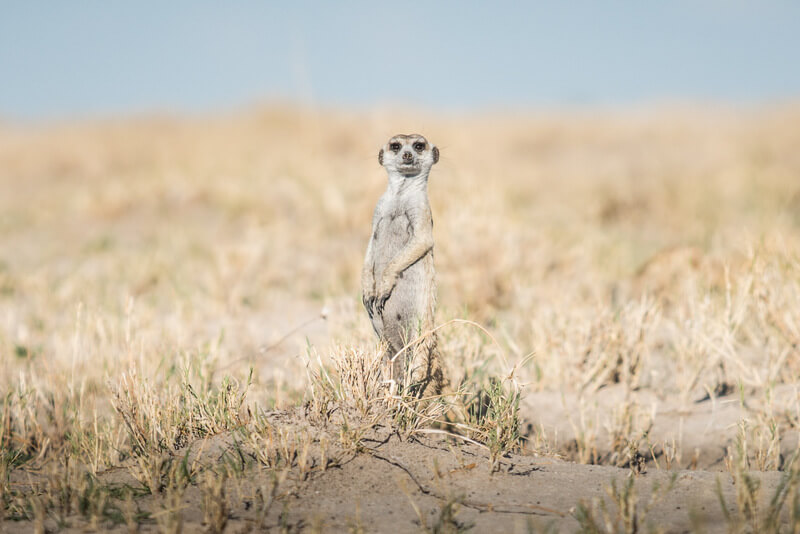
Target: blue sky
(66,59)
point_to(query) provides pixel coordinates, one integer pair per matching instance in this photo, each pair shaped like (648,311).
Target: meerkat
(398,280)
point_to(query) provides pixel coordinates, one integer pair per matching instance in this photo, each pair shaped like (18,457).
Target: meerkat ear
(380,157)
(435,154)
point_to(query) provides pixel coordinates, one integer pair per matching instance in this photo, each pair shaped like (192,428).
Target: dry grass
(150,268)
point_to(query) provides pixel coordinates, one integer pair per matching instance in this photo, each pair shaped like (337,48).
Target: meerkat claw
(369,304)
(381,302)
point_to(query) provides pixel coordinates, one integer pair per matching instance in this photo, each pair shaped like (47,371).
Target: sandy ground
(410,485)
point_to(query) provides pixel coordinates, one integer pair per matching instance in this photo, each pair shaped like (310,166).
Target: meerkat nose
(407,156)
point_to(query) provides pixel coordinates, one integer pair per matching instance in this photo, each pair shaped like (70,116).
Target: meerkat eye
(394,147)
(419,146)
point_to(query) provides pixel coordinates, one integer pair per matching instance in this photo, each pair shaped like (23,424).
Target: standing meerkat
(398,280)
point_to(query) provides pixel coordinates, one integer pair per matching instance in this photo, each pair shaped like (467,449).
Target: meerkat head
(408,155)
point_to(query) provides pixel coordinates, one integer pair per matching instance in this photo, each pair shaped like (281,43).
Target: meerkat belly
(404,312)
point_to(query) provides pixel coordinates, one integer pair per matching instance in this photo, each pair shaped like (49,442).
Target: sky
(93,58)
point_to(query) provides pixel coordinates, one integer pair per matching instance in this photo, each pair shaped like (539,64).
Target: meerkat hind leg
(427,370)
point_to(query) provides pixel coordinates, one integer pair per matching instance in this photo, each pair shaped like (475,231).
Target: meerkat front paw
(368,292)
(369,303)
(384,292)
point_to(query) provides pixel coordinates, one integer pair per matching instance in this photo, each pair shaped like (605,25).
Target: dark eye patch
(419,146)
(394,147)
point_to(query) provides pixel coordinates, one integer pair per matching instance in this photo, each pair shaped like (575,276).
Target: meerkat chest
(394,228)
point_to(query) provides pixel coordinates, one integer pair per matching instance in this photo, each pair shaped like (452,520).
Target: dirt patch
(667,431)
(388,483)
